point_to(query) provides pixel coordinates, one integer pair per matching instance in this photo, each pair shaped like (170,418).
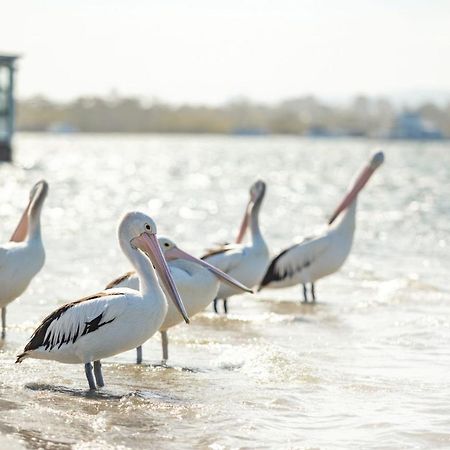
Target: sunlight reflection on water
(365,368)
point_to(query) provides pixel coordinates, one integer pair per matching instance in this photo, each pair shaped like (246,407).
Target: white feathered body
(313,258)
(244,263)
(197,287)
(309,261)
(124,320)
(19,263)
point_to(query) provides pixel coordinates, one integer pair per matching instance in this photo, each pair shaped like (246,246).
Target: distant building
(411,125)
(7,112)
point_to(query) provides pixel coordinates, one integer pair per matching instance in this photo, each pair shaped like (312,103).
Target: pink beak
(21,231)
(244,224)
(176,253)
(148,243)
(360,182)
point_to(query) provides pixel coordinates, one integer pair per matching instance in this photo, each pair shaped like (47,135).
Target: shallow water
(367,367)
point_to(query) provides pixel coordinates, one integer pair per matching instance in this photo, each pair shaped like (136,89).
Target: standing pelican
(115,320)
(196,281)
(246,263)
(323,255)
(24,256)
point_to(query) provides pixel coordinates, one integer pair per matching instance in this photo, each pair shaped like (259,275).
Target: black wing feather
(38,338)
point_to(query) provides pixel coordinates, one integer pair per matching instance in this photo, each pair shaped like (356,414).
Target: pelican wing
(227,258)
(295,259)
(3,253)
(130,280)
(219,249)
(120,280)
(71,321)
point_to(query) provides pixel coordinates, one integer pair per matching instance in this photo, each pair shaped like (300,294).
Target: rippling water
(365,368)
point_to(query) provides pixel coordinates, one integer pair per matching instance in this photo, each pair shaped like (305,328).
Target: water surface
(367,367)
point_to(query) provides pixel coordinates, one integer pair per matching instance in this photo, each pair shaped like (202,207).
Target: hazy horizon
(407,98)
(208,54)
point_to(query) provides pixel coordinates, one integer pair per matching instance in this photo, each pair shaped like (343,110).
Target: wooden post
(5,151)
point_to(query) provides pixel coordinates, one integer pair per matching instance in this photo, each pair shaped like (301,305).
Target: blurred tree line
(307,115)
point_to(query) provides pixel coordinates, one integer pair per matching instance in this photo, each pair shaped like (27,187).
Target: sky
(206,51)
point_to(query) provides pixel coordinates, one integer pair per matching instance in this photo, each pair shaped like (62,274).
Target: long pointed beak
(360,182)
(21,231)
(38,193)
(176,253)
(149,244)
(244,224)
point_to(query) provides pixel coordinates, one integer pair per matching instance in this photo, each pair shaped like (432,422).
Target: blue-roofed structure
(411,125)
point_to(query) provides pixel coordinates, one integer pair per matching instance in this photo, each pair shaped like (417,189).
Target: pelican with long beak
(196,280)
(24,255)
(114,320)
(246,263)
(317,257)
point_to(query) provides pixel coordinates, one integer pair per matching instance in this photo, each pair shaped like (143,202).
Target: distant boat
(411,125)
(62,127)
(249,131)
(318,131)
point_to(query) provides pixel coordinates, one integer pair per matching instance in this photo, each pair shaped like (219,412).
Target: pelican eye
(166,244)
(148,227)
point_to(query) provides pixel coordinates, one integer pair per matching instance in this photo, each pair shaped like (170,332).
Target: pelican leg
(3,322)
(313,293)
(305,294)
(98,373)
(139,355)
(225,306)
(90,376)
(165,345)
(215,306)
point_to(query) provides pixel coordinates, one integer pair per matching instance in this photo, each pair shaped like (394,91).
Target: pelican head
(136,223)
(39,189)
(257,192)
(31,214)
(375,161)
(166,244)
(140,231)
(37,196)
(172,252)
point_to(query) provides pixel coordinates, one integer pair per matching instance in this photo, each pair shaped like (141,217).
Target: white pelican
(322,255)
(246,263)
(115,320)
(196,281)
(24,256)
